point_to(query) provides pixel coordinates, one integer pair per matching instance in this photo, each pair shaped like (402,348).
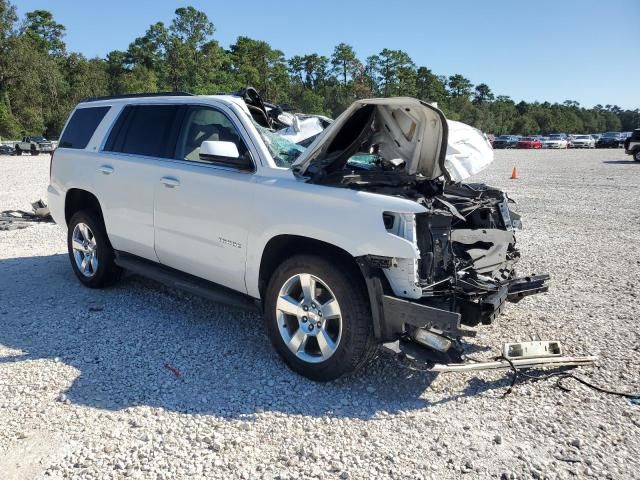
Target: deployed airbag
(468,151)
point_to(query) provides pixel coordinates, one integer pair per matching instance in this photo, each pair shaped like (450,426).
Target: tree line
(41,81)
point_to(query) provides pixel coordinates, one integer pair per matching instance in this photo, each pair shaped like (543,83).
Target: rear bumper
(393,316)
(55,202)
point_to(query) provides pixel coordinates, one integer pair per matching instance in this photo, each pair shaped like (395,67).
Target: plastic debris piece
(173,370)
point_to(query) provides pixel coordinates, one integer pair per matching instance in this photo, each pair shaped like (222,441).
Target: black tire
(636,155)
(107,271)
(18,151)
(34,151)
(357,344)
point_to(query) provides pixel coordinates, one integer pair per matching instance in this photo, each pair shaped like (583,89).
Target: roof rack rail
(137,95)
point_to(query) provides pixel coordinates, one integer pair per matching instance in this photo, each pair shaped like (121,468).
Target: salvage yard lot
(144,381)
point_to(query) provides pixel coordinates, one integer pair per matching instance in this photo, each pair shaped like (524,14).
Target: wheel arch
(77,199)
(284,246)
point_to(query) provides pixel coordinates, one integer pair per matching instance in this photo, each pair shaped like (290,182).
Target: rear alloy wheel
(85,249)
(90,252)
(318,319)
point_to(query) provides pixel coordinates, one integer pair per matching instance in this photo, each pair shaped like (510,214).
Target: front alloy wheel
(636,155)
(318,316)
(309,318)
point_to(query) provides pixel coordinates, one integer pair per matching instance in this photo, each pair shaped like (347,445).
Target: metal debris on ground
(18,219)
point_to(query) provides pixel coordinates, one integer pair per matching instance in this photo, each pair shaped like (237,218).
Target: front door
(202,205)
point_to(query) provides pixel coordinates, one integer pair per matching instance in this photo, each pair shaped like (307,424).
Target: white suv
(364,237)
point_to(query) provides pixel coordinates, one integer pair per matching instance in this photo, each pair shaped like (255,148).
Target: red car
(529,142)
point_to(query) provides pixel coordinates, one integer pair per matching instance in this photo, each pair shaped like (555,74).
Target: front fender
(348,219)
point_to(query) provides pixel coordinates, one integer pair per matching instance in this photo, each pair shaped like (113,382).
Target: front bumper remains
(393,316)
(430,338)
(538,358)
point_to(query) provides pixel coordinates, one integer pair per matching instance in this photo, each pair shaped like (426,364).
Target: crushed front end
(462,268)
(464,274)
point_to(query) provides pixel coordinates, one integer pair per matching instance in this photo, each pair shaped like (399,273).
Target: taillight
(51,164)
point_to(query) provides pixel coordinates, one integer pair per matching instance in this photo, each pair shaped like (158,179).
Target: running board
(183,281)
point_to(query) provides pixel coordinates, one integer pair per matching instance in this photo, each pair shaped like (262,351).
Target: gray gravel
(140,381)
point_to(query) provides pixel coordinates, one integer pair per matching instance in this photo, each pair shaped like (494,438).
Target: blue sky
(541,50)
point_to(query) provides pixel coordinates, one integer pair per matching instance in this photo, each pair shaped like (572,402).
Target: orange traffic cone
(514,173)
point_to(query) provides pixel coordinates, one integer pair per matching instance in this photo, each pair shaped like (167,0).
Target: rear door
(141,138)
(203,205)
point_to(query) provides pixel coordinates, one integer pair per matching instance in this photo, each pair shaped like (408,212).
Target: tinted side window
(145,130)
(81,126)
(208,124)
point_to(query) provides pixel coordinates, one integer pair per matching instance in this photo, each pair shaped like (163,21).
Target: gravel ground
(142,381)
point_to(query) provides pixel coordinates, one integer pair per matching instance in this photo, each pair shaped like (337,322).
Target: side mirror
(216,149)
(226,154)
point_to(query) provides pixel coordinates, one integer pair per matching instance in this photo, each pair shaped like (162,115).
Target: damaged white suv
(363,237)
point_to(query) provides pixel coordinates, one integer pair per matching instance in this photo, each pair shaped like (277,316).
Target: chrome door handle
(170,182)
(106,169)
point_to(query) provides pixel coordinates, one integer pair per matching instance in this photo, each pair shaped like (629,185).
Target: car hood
(402,128)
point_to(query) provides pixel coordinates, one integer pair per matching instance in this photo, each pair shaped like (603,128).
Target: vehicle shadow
(140,343)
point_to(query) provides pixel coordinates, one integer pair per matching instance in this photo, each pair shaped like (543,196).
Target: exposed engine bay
(467,249)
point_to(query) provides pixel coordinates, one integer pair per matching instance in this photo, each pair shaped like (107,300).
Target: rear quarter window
(81,126)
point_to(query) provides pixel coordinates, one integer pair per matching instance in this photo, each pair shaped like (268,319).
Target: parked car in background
(582,141)
(529,142)
(556,140)
(610,140)
(505,141)
(6,149)
(34,144)
(632,145)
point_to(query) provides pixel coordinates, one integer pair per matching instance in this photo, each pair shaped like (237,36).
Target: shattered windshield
(283,151)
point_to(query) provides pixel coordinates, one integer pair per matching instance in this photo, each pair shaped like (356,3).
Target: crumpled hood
(405,128)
